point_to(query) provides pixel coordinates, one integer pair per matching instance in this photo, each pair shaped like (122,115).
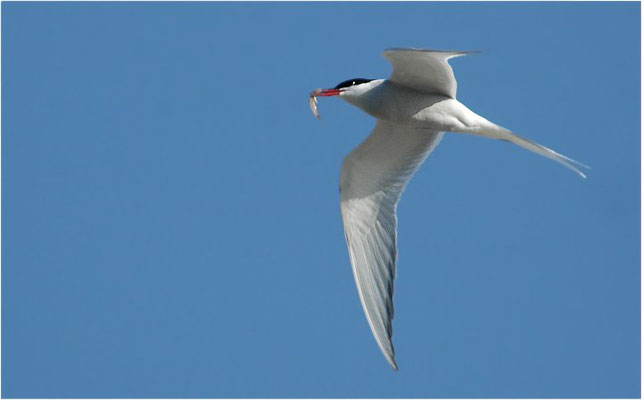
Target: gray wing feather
(373,177)
(424,70)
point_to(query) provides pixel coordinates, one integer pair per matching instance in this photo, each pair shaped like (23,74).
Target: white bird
(413,108)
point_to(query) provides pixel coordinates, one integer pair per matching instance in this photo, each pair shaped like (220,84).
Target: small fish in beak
(312,102)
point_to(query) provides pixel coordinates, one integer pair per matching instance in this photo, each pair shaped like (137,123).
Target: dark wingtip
(393,363)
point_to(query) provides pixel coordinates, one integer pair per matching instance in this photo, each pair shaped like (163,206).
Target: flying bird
(414,107)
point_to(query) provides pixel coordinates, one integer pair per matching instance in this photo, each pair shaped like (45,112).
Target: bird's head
(355,91)
(354,87)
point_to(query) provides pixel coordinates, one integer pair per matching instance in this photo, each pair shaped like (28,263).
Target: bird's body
(402,105)
(413,108)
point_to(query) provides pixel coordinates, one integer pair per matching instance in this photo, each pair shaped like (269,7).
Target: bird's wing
(373,177)
(424,70)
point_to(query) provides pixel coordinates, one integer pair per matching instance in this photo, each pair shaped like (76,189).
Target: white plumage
(414,107)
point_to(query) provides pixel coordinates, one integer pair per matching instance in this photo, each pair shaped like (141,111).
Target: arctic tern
(413,108)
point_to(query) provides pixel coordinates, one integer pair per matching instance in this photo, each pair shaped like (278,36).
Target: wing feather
(424,70)
(373,177)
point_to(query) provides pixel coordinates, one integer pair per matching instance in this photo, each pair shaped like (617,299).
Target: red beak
(328,92)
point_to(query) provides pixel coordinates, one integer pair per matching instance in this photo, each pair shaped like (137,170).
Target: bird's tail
(488,129)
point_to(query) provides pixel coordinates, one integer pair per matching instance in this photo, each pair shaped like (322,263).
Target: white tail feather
(548,153)
(497,132)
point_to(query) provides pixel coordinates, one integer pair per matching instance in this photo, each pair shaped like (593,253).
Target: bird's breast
(405,106)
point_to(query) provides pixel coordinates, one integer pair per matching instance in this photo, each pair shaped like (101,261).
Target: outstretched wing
(373,177)
(424,70)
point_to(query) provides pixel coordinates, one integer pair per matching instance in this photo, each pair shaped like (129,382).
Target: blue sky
(170,212)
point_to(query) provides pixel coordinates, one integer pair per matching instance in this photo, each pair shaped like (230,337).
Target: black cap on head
(352,82)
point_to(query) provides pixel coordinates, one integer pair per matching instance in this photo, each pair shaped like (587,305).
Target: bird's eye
(352,82)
